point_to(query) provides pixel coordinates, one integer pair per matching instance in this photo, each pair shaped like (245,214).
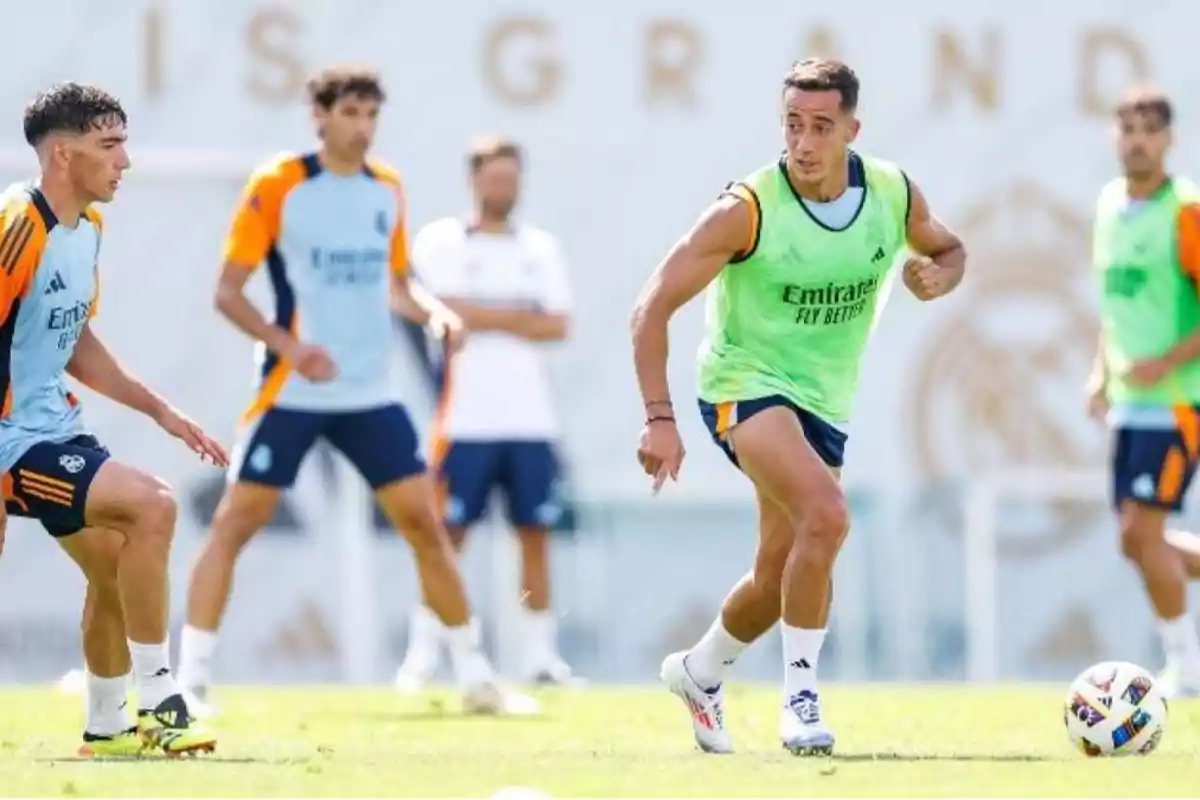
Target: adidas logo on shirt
(57,284)
(879,255)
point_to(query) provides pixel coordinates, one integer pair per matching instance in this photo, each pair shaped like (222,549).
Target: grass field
(892,740)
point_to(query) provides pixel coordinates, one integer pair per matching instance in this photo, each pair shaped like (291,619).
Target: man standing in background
(1146,379)
(496,425)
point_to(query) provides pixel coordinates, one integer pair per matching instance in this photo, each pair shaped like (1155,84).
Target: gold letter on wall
(271,37)
(539,79)
(673,53)
(953,68)
(1098,51)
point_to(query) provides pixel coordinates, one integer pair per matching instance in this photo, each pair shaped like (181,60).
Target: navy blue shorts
(826,440)
(524,471)
(50,483)
(1151,467)
(380,442)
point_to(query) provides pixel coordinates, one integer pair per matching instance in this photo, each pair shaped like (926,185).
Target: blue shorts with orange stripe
(828,442)
(50,483)
(1153,463)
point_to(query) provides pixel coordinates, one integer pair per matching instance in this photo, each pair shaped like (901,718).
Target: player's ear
(853,129)
(319,116)
(59,149)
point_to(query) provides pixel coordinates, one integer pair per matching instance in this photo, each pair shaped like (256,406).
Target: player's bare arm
(1097,385)
(95,367)
(535,325)
(941,259)
(230,300)
(1152,371)
(418,305)
(722,232)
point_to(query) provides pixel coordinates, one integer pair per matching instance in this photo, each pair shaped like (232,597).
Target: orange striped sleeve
(22,241)
(398,248)
(23,235)
(258,217)
(1189,240)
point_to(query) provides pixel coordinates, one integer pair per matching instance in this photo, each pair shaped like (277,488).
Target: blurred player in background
(796,259)
(498,423)
(330,227)
(1147,375)
(116,522)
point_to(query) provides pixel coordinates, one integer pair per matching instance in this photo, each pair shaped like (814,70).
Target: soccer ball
(1115,709)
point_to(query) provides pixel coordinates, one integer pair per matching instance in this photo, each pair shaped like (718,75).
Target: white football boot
(706,708)
(493,698)
(800,726)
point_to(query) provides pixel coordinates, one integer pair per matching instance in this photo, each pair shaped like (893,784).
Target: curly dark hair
(71,108)
(346,80)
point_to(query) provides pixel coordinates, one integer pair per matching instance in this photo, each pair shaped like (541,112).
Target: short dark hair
(824,75)
(71,108)
(486,149)
(1147,100)
(350,80)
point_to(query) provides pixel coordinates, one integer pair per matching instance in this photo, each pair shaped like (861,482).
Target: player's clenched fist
(312,362)
(925,279)
(660,450)
(449,327)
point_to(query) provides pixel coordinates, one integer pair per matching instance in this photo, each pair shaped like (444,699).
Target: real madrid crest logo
(1001,386)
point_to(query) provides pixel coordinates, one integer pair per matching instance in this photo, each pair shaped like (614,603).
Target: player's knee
(153,510)
(1135,532)
(426,535)
(824,522)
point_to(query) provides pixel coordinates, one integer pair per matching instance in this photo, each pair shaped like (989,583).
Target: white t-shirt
(499,382)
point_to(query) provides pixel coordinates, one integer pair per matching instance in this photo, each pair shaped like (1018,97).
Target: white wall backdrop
(634,117)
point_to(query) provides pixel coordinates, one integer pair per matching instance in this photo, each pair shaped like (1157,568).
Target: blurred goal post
(984,501)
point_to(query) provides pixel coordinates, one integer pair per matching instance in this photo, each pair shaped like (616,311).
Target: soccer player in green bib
(796,260)
(1146,248)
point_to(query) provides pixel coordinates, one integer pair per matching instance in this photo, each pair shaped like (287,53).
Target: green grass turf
(602,742)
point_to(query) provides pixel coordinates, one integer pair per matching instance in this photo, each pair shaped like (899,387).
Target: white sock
(801,649)
(152,673)
(470,665)
(197,647)
(106,701)
(1180,641)
(425,631)
(540,637)
(713,655)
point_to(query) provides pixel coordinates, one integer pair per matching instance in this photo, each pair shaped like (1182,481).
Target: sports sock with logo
(713,655)
(151,673)
(801,649)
